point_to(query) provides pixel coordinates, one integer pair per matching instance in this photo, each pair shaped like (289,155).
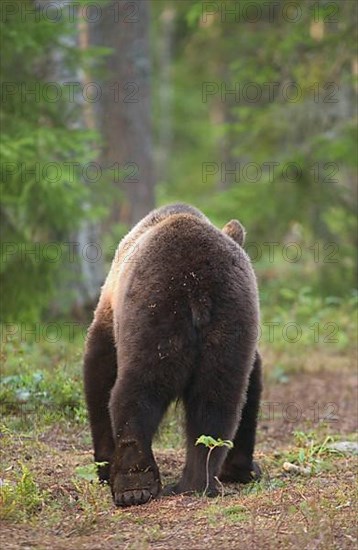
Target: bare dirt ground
(315,511)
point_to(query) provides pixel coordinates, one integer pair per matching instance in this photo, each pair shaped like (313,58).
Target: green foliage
(21,498)
(89,471)
(236,513)
(311,452)
(211,443)
(170,434)
(317,322)
(42,380)
(316,131)
(217,514)
(32,392)
(42,198)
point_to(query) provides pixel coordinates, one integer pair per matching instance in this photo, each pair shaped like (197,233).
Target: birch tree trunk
(84,276)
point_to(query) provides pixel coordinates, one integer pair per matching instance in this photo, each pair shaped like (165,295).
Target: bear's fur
(177,317)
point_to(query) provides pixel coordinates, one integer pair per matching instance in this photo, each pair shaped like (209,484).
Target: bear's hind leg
(239,465)
(137,408)
(211,409)
(204,418)
(100,371)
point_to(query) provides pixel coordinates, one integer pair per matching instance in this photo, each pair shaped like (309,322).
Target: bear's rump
(188,291)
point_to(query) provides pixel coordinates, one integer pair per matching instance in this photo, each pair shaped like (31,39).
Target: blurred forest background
(244,109)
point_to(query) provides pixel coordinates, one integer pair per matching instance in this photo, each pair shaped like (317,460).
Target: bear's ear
(236,231)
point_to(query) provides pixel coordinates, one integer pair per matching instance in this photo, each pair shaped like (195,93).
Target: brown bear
(177,318)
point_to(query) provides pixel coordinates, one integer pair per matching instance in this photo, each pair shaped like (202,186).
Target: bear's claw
(131,498)
(133,488)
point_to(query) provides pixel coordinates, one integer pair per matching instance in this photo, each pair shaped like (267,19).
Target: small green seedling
(211,444)
(89,471)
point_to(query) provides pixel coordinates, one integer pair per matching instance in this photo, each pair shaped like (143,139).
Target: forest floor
(47,503)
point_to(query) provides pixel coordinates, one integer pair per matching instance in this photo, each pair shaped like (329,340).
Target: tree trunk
(126,105)
(83,275)
(165,126)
